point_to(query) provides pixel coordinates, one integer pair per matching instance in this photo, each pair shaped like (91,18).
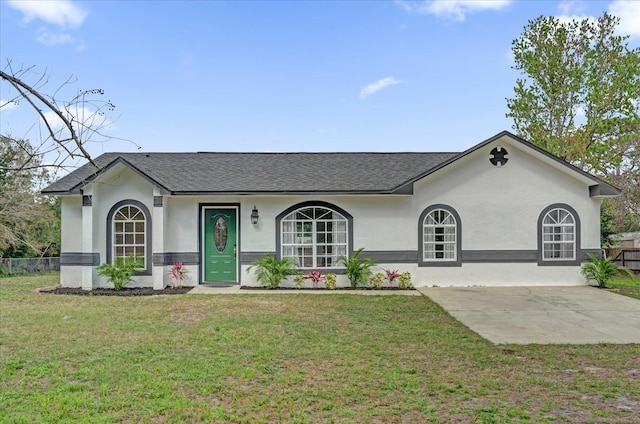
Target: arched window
(129,233)
(315,234)
(559,232)
(439,236)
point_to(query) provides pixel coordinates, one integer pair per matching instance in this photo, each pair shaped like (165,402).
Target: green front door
(220,245)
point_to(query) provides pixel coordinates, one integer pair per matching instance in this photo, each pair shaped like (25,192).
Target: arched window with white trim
(129,233)
(439,232)
(558,235)
(439,236)
(314,234)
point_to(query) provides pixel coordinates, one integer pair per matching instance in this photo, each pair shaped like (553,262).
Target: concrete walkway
(238,290)
(545,315)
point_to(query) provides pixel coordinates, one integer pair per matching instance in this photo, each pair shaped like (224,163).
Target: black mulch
(324,288)
(169,290)
(123,292)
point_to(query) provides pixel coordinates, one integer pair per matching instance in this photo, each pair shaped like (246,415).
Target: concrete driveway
(558,315)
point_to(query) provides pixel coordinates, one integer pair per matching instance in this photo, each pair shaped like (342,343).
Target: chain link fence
(19,266)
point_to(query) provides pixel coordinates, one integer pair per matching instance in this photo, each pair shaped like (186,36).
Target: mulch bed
(324,288)
(124,292)
(147,291)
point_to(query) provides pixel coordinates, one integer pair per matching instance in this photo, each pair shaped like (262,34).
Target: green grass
(288,358)
(626,285)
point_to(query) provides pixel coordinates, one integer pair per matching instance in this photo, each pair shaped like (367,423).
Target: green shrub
(358,270)
(121,272)
(602,270)
(270,271)
(298,280)
(330,281)
(405,280)
(377,280)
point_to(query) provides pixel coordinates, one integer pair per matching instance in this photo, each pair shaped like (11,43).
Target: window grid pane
(129,235)
(558,235)
(439,236)
(314,236)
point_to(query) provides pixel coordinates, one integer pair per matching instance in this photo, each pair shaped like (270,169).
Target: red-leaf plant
(315,277)
(391,276)
(178,272)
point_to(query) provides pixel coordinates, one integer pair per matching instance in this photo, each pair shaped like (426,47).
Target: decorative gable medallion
(498,156)
(220,234)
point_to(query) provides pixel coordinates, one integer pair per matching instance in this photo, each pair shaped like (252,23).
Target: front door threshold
(219,284)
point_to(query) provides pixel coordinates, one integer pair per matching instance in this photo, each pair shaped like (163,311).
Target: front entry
(220,244)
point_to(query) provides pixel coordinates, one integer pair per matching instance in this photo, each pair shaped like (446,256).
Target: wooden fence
(626,256)
(13,266)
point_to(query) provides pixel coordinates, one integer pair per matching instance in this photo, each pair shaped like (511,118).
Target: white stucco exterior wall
(498,207)
(119,184)
(71,222)
(71,238)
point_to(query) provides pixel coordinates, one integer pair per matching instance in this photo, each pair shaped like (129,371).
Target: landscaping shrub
(358,270)
(270,271)
(602,270)
(121,272)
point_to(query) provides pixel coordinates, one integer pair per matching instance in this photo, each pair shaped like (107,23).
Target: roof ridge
(279,153)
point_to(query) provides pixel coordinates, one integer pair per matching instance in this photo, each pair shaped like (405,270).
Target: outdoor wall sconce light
(254,215)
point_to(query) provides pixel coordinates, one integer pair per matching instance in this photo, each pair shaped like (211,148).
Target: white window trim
(314,244)
(434,243)
(563,224)
(124,233)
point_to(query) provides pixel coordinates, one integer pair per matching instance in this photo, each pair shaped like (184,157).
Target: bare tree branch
(21,87)
(59,133)
(69,125)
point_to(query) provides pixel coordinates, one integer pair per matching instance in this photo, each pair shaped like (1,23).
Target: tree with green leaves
(29,222)
(579,98)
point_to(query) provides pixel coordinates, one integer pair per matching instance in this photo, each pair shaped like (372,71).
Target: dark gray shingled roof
(192,173)
(295,173)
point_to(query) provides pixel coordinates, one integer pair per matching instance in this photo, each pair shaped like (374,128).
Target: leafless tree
(64,127)
(56,141)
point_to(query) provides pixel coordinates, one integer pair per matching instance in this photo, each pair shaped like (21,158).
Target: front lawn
(626,285)
(287,358)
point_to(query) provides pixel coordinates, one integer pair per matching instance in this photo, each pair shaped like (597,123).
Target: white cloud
(455,10)
(571,7)
(80,46)
(629,14)
(511,58)
(81,117)
(627,10)
(63,13)
(52,39)
(572,10)
(8,104)
(567,19)
(377,86)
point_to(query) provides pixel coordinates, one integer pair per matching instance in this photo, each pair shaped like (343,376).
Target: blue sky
(284,76)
